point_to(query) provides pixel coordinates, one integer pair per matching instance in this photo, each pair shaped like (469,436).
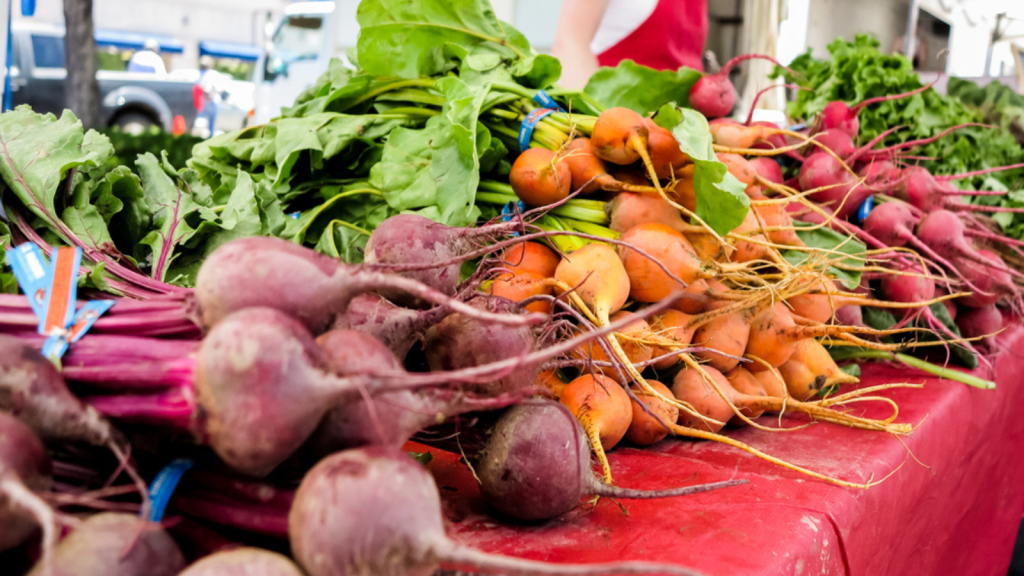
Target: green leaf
(38,151)
(8,283)
(827,239)
(640,88)
(721,199)
(413,39)
(168,205)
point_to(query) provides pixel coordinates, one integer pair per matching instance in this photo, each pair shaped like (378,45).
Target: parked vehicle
(133,101)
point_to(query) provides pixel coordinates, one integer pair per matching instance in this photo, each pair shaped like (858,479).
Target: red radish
(315,289)
(992,284)
(906,287)
(535,465)
(838,115)
(24,471)
(844,193)
(539,178)
(396,327)
(980,322)
(113,544)
(244,562)
(881,174)
(767,168)
(713,95)
(838,141)
(925,192)
(377,511)
(851,315)
(943,232)
(461,341)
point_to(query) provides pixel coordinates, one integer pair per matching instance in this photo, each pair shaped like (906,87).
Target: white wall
(829,19)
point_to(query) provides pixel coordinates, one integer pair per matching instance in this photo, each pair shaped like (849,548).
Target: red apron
(671,37)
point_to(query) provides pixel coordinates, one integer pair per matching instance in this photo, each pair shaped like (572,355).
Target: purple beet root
(112,544)
(244,562)
(460,341)
(377,511)
(315,289)
(24,471)
(397,327)
(34,391)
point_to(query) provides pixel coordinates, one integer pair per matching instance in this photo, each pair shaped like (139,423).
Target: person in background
(661,34)
(148,59)
(207,91)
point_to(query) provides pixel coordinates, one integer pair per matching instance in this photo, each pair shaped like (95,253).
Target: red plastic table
(952,506)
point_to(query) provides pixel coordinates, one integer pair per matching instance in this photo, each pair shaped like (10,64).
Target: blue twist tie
(545,100)
(506,213)
(163,486)
(528,124)
(865,208)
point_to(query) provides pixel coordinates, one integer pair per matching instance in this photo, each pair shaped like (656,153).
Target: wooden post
(82,91)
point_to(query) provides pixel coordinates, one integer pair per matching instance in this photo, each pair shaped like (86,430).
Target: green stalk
(924,366)
(416,82)
(586,98)
(578,213)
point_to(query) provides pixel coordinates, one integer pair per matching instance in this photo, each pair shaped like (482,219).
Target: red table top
(952,506)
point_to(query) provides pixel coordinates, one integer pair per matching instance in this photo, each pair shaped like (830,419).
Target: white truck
(303,42)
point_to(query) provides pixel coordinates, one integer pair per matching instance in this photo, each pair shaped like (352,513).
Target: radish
(943,232)
(839,115)
(112,544)
(844,194)
(461,341)
(534,464)
(377,511)
(838,141)
(713,95)
(992,283)
(315,289)
(396,327)
(767,168)
(925,192)
(982,322)
(244,562)
(24,471)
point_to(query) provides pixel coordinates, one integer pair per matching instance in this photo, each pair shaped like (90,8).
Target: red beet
(244,562)
(24,471)
(376,511)
(396,327)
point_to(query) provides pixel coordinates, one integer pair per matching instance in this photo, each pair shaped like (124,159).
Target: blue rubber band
(546,101)
(163,486)
(865,208)
(506,213)
(527,125)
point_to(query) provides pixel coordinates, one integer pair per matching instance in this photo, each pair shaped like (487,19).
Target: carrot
(666,156)
(604,410)
(671,325)
(590,174)
(531,257)
(745,383)
(648,282)
(635,351)
(727,334)
(539,178)
(644,429)
(518,286)
(810,369)
(620,136)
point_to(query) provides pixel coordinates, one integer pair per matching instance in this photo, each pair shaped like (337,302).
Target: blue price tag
(865,208)
(545,100)
(294,215)
(32,272)
(163,486)
(528,124)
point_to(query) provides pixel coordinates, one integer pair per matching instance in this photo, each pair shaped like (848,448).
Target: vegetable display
(443,245)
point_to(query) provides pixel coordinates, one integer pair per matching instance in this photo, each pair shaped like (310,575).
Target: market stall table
(951,504)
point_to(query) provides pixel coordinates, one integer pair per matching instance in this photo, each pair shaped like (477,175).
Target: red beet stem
(888,97)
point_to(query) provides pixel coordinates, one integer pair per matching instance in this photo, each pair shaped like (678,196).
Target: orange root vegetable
(551,380)
(745,383)
(604,410)
(728,334)
(684,191)
(739,167)
(628,210)
(648,282)
(810,369)
(635,351)
(707,247)
(672,325)
(539,178)
(732,134)
(521,285)
(666,156)
(817,307)
(776,216)
(620,136)
(531,257)
(689,386)
(771,383)
(644,429)
(590,174)
(600,280)
(774,334)
(748,251)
